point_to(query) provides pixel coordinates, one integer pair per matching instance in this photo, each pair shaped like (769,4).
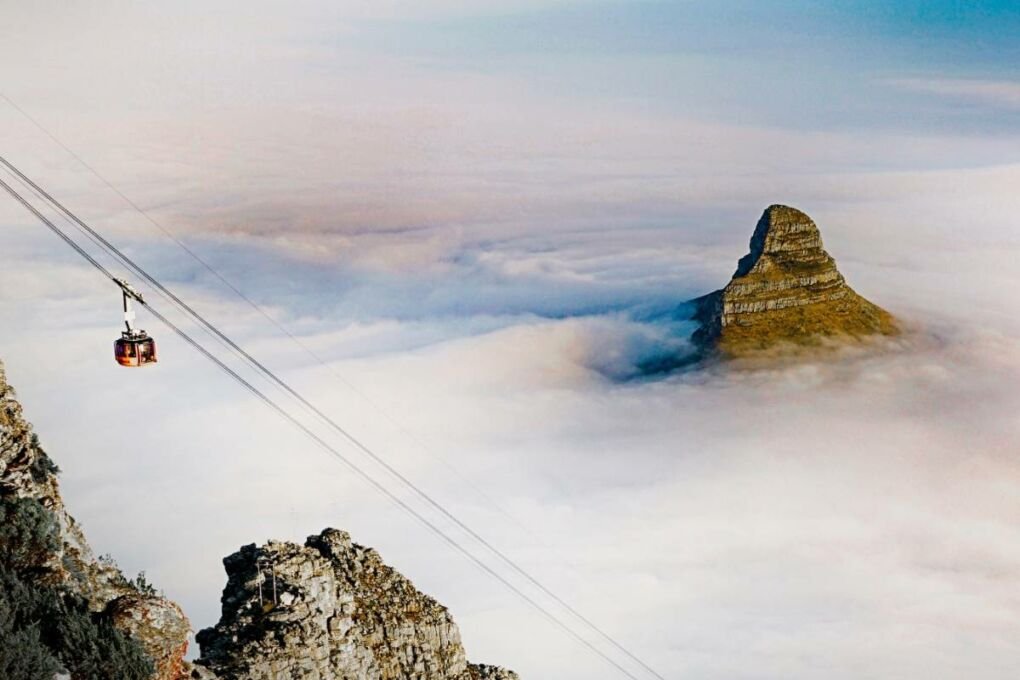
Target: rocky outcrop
(159,625)
(68,563)
(327,610)
(330,610)
(483,672)
(786,292)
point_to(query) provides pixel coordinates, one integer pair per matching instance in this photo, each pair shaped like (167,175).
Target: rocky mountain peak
(330,609)
(784,237)
(786,292)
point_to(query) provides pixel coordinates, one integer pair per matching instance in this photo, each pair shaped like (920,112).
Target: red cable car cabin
(134,348)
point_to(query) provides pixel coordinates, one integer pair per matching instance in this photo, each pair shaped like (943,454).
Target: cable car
(134,347)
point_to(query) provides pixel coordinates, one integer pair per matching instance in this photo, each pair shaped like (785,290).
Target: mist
(478,249)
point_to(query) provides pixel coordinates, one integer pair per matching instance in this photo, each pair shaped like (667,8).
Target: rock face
(330,610)
(159,625)
(26,472)
(786,292)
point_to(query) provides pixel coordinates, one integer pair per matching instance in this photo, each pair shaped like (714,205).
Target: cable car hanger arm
(129,290)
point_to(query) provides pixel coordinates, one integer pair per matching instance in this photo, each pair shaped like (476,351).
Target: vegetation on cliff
(61,608)
(46,628)
(329,609)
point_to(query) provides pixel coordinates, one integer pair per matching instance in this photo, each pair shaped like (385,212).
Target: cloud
(484,262)
(838,517)
(1003,94)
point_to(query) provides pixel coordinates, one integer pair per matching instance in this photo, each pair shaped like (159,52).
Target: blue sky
(796,64)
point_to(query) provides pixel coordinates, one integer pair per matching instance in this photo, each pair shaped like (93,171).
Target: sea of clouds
(476,272)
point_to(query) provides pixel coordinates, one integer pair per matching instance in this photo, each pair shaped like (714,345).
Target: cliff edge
(62,610)
(327,610)
(331,610)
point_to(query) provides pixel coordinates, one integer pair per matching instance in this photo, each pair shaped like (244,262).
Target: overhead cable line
(56,230)
(258,366)
(319,441)
(258,308)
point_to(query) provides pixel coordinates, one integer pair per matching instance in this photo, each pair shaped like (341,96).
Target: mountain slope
(93,622)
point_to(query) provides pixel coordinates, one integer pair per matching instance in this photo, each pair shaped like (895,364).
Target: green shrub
(142,584)
(28,533)
(91,647)
(42,466)
(23,656)
(44,627)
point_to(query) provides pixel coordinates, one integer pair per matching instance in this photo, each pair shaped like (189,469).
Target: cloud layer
(483,249)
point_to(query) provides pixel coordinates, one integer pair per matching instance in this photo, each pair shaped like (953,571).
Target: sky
(479,220)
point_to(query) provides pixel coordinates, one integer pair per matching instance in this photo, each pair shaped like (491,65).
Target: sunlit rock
(786,293)
(330,610)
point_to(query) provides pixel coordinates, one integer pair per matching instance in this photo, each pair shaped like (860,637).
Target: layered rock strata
(786,291)
(330,610)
